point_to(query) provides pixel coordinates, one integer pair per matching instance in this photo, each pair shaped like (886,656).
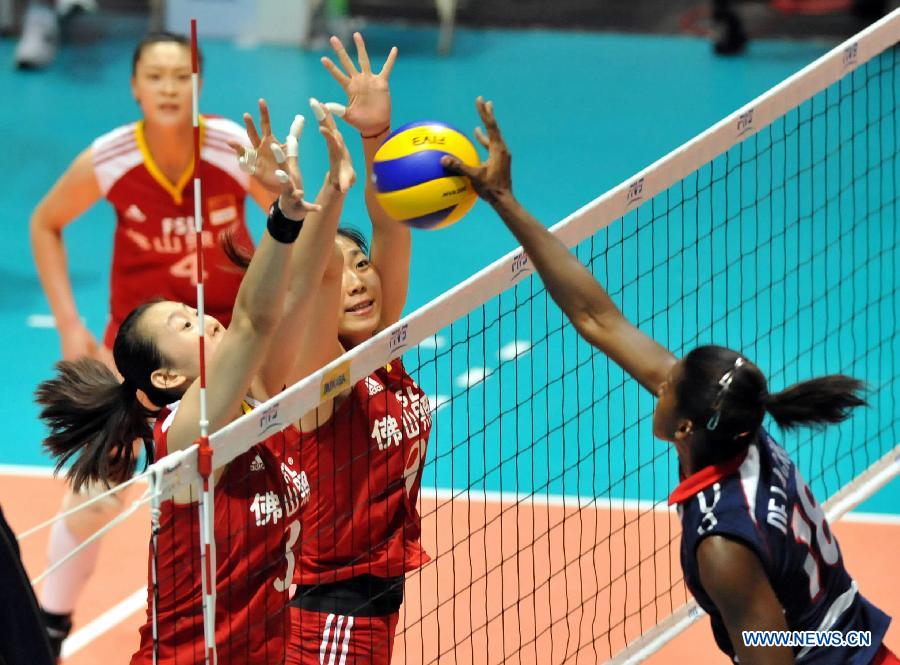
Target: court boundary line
(111,618)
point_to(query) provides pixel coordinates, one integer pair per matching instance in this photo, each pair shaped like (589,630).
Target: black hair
(727,418)
(240,255)
(95,420)
(162,37)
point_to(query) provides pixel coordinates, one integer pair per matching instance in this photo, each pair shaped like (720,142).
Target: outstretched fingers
(456,167)
(482,139)
(388,65)
(252,134)
(339,76)
(265,122)
(486,111)
(343,57)
(361,54)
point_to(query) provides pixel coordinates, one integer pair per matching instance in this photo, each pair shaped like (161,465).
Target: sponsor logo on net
(398,339)
(520,265)
(745,122)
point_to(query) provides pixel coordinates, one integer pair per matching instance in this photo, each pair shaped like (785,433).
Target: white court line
(40,321)
(105,622)
(28,471)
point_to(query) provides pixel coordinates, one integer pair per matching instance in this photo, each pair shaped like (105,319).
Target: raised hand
(493,177)
(291,200)
(259,160)
(368,94)
(341,174)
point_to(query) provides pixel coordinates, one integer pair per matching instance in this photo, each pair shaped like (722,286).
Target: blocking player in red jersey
(94,419)
(362,450)
(143,169)
(756,549)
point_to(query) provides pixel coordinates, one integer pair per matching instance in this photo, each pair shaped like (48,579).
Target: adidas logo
(373,386)
(135,214)
(256,464)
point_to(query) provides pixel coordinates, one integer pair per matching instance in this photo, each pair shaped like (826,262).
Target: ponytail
(819,401)
(727,398)
(94,422)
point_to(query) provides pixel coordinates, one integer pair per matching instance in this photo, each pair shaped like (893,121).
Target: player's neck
(685,464)
(171,148)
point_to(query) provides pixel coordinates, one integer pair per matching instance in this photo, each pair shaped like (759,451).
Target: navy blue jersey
(760,500)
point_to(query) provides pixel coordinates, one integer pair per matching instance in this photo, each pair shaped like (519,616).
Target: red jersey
(258,501)
(155,242)
(364,468)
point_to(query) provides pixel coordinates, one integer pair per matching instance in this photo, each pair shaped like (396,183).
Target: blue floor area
(581,113)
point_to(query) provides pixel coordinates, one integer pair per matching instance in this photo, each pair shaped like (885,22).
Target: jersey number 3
(283,584)
(811,529)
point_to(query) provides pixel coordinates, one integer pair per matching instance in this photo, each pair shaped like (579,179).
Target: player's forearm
(570,284)
(314,246)
(309,261)
(52,266)
(391,242)
(259,300)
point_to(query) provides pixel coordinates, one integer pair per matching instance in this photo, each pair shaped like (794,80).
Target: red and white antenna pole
(204,455)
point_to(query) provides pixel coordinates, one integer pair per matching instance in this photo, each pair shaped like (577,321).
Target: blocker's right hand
(77,342)
(493,178)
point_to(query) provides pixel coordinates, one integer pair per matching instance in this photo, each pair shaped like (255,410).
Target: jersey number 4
(811,529)
(186,268)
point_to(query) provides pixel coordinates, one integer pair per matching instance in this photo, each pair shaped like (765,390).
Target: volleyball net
(543,495)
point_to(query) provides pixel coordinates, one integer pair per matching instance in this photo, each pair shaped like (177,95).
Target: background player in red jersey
(94,418)
(143,169)
(747,571)
(362,450)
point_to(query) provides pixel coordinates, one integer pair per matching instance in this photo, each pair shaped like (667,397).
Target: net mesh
(543,500)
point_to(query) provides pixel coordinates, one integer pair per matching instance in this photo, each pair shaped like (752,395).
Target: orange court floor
(514,583)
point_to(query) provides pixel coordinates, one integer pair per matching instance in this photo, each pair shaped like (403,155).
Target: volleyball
(412,186)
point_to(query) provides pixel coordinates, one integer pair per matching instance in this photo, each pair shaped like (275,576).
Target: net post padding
(839,504)
(509,270)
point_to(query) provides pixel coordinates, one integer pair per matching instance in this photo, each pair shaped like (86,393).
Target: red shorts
(885,657)
(318,638)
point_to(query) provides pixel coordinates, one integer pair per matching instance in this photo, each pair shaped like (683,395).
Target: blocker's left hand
(368,94)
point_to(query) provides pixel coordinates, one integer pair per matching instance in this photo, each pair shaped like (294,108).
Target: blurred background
(44,24)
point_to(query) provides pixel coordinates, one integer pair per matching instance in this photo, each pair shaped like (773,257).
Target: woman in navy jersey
(757,552)
(94,420)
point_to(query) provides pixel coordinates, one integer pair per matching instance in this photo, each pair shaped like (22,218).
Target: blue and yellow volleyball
(412,186)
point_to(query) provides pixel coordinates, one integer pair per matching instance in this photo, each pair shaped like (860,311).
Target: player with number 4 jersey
(154,251)
(144,170)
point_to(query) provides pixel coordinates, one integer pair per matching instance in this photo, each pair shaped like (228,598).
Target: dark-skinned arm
(571,285)
(734,579)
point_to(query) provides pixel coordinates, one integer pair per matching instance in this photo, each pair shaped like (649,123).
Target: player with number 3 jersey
(144,170)
(260,494)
